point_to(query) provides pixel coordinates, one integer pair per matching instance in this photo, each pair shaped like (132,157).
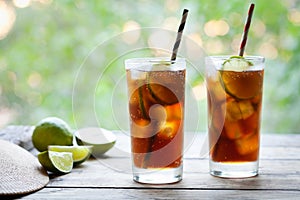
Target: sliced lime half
(79,153)
(238,81)
(56,162)
(236,63)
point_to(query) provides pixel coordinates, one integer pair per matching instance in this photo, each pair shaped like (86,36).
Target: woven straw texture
(20,171)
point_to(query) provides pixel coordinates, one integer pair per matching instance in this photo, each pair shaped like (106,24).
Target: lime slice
(238,81)
(242,85)
(56,162)
(141,103)
(138,106)
(162,94)
(79,153)
(165,87)
(236,63)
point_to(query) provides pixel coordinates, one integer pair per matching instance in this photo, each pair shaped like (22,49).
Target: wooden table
(109,177)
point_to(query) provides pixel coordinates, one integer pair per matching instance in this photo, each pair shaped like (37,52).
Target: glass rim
(247,57)
(154,60)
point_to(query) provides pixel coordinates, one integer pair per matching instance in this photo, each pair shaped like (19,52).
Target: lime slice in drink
(237,81)
(56,162)
(162,83)
(236,63)
(142,104)
(137,106)
(244,85)
(162,65)
(165,87)
(162,94)
(79,153)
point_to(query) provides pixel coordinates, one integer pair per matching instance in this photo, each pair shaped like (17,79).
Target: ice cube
(246,109)
(233,112)
(169,129)
(233,130)
(248,144)
(138,75)
(242,128)
(174,111)
(251,124)
(236,110)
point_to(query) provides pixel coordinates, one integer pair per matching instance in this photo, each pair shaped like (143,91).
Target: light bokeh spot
(215,28)
(7,19)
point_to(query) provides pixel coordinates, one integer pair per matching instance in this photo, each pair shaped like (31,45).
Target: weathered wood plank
(116,193)
(273,175)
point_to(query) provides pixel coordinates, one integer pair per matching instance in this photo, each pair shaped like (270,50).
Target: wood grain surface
(109,177)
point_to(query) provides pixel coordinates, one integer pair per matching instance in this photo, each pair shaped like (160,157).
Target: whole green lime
(51,131)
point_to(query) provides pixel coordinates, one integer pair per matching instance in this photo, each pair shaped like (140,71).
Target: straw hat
(20,171)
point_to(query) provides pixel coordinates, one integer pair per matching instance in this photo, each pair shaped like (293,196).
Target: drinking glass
(234,116)
(156,88)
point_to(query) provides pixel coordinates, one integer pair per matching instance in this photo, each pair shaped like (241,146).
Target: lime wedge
(79,153)
(100,139)
(236,63)
(56,162)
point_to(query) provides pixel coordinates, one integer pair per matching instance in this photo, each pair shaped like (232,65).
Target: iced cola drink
(235,88)
(156,107)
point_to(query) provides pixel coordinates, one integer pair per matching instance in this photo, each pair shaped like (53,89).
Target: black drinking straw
(246,30)
(179,34)
(173,58)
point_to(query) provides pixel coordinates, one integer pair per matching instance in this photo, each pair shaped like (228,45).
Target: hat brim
(20,171)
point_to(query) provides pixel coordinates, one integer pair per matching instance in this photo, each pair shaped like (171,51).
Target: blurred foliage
(41,55)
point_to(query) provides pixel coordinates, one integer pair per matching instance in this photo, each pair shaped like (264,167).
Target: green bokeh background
(49,40)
